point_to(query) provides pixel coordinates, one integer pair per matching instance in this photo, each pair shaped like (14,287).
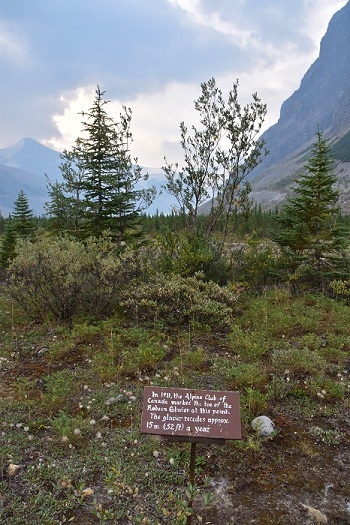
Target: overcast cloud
(151,55)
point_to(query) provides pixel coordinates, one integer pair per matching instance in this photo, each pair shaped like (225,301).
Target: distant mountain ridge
(322,102)
(24,165)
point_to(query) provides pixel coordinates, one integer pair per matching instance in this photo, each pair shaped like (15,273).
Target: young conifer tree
(7,245)
(311,235)
(22,216)
(100,177)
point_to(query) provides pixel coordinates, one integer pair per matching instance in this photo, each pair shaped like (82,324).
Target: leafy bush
(255,262)
(186,254)
(63,278)
(180,301)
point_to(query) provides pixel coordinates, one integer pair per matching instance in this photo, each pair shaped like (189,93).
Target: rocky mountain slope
(322,102)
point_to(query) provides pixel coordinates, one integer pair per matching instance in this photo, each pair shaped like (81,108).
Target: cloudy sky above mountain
(150,55)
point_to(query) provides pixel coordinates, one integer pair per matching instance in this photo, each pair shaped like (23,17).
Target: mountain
(24,165)
(321,102)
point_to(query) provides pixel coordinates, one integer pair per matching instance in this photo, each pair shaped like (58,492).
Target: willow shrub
(64,278)
(174,300)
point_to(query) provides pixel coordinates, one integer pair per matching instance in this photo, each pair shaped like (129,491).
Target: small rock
(118,399)
(87,492)
(263,425)
(314,514)
(12,469)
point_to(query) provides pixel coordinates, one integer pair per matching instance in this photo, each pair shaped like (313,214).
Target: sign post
(196,416)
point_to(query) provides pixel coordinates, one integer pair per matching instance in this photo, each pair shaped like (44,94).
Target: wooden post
(192,469)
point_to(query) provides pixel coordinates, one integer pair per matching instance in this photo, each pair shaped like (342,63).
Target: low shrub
(63,278)
(179,301)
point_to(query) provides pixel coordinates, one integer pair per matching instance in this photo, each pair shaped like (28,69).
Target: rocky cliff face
(322,102)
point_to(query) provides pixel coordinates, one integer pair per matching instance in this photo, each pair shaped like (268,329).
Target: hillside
(321,102)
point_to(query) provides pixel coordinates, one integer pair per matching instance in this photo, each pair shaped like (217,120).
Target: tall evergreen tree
(100,178)
(8,244)
(311,234)
(22,216)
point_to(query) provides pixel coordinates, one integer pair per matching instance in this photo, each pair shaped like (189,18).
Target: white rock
(263,425)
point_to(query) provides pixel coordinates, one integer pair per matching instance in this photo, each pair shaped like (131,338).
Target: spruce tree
(311,234)
(100,177)
(22,216)
(8,244)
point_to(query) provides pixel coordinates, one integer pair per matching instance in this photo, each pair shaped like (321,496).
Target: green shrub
(179,301)
(237,375)
(255,263)
(63,278)
(297,362)
(60,388)
(186,254)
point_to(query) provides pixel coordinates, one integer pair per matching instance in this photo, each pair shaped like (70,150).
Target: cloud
(14,47)
(149,55)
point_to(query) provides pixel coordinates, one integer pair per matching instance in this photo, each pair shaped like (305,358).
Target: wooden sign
(185,413)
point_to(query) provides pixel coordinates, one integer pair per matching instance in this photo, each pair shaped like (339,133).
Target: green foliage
(312,237)
(238,375)
(8,245)
(179,301)
(22,216)
(100,177)
(254,262)
(21,224)
(63,278)
(71,414)
(341,288)
(213,172)
(59,390)
(186,254)
(297,362)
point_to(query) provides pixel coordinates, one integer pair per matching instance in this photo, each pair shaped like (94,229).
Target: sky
(151,56)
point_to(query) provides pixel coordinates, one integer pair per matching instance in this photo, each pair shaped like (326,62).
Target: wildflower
(77,431)
(64,439)
(171,461)
(98,435)
(155,453)
(92,422)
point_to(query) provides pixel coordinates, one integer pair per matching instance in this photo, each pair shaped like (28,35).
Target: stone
(314,514)
(263,425)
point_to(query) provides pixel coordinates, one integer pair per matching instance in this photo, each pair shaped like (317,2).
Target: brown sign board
(191,413)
